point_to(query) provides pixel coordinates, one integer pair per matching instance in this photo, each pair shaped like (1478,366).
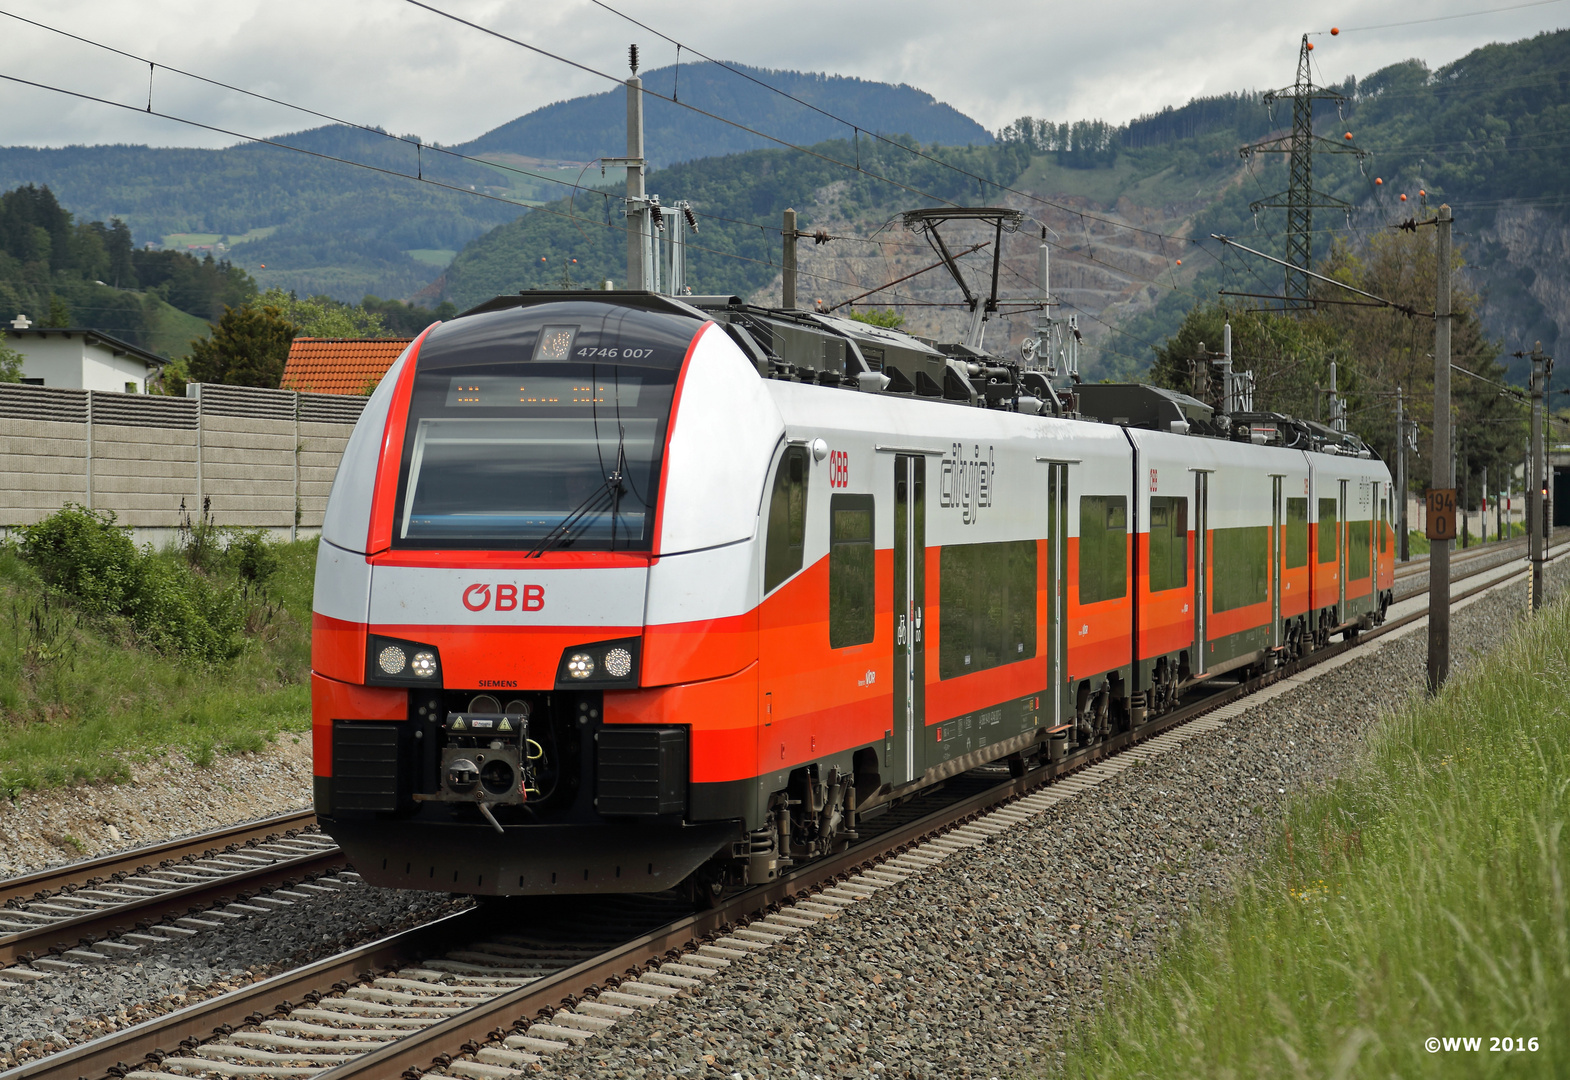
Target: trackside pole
(1439,550)
(1537,504)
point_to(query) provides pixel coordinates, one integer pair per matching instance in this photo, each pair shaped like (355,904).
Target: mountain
(587,128)
(1485,134)
(318,226)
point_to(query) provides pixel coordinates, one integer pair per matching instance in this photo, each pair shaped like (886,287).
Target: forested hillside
(588,128)
(726,256)
(1485,134)
(316,225)
(1124,203)
(63,272)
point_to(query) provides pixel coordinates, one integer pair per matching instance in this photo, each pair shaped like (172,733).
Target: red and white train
(618,591)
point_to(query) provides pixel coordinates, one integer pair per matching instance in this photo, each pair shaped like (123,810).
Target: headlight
(611,664)
(618,663)
(396,662)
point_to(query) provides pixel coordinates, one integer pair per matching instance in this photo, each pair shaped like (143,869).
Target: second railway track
(485,992)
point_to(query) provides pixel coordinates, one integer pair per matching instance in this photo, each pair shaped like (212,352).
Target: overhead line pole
(1537,505)
(1439,550)
(1403,547)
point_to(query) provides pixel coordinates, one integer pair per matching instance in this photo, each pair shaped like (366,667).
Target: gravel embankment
(165,798)
(69,1007)
(980,967)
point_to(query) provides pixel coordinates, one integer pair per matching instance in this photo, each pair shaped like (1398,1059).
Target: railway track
(490,991)
(88,912)
(1494,552)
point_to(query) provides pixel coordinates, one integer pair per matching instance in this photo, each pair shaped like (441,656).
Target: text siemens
(506,597)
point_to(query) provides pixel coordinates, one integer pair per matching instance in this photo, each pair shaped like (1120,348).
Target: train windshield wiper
(611,490)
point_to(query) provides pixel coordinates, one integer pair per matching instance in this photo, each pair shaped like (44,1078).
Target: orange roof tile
(340,365)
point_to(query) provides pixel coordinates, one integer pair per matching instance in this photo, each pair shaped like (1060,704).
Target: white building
(81,359)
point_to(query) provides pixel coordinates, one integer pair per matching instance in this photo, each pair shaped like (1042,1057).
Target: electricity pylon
(1300,198)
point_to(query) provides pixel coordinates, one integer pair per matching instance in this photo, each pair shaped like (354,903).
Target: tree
(1488,422)
(1290,358)
(324,317)
(10,362)
(407,320)
(1376,350)
(248,347)
(59,316)
(879,317)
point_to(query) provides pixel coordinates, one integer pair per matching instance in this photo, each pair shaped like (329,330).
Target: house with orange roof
(340,365)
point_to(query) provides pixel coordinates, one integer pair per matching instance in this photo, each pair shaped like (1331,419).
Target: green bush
(253,556)
(176,604)
(85,555)
(182,613)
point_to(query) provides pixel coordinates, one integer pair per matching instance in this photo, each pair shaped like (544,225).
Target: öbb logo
(839,469)
(478,598)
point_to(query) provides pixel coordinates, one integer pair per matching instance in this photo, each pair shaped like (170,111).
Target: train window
(852,571)
(1358,547)
(1168,543)
(1240,557)
(1327,530)
(787,537)
(1297,533)
(987,606)
(1103,548)
(1384,517)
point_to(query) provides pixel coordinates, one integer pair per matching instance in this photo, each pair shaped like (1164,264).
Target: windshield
(550,443)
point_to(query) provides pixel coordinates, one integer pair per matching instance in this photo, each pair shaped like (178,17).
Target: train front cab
(614,673)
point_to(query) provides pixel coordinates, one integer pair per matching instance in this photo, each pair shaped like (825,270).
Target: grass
(179,241)
(83,697)
(1422,895)
(173,330)
(437,257)
(1417,543)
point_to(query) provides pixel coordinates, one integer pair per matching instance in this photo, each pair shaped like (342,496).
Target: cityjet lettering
(505,597)
(967,483)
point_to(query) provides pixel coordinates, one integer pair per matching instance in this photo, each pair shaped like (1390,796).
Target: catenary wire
(1442,18)
(786,143)
(387,172)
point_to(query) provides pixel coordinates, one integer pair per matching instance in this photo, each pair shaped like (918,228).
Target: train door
(1341,556)
(1277,555)
(1201,566)
(1376,541)
(910,576)
(1057,603)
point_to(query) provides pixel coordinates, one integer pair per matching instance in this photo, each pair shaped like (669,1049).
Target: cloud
(392,64)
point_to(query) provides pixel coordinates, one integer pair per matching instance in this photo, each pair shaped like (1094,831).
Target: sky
(395,65)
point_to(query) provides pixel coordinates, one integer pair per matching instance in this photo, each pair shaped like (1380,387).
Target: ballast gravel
(68,1007)
(980,966)
(163,798)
